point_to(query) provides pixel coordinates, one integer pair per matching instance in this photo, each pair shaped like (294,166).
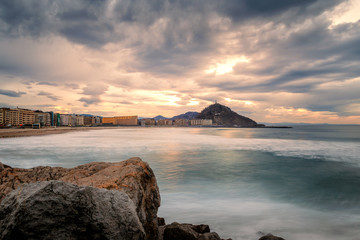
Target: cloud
(47,83)
(158,52)
(10,93)
(49,95)
(90,100)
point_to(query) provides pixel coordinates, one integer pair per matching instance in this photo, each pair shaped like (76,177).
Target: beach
(27,132)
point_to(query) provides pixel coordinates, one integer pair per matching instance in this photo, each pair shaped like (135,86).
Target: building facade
(164,122)
(181,122)
(43,118)
(126,120)
(201,122)
(147,122)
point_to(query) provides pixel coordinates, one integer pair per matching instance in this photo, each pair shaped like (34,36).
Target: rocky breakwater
(92,201)
(133,177)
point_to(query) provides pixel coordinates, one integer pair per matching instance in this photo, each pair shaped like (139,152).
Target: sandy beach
(26,132)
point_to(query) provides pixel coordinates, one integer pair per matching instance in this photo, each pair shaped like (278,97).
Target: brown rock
(185,231)
(177,231)
(132,176)
(209,236)
(161,221)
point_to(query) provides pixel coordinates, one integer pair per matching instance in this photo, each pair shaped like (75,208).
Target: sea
(298,183)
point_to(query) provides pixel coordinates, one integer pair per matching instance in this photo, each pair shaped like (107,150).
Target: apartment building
(147,122)
(181,122)
(164,122)
(16,117)
(201,122)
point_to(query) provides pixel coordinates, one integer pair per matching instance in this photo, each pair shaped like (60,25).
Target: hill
(224,116)
(187,115)
(158,117)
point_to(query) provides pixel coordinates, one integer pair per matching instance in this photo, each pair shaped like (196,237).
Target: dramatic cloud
(10,93)
(275,60)
(48,95)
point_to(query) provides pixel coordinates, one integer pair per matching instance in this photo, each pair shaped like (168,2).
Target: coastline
(28,132)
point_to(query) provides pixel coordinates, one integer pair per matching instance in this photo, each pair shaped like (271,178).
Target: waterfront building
(65,120)
(201,122)
(16,117)
(126,120)
(57,119)
(98,120)
(27,116)
(181,122)
(79,120)
(164,122)
(4,116)
(147,122)
(120,120)
(108,121)
(43,118)
(89,120)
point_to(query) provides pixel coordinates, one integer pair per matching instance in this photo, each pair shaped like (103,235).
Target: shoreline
(29,132)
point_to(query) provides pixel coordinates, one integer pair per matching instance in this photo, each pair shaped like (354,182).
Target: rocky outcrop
(132,176)
(270,237)
(224,116)
(64,203)
(59,210)
(181,231)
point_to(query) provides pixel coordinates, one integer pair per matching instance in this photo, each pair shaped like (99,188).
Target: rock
(185,231)
(202,228)
(59,210)
(161,221)
(177,231)
(209,236)
(270,237)
(132,176)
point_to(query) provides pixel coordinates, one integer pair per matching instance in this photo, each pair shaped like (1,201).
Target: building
(126,120)
(181,122)
(16,117)
(147,122)
(201,122)
(65,120)
(28,116)
(98,120)
(120,120)
(108,121)
(164,122)
(4,116)
(89,120)
(43,118)
(79,120)
(57,119)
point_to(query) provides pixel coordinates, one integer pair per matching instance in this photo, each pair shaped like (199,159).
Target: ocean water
(299,183)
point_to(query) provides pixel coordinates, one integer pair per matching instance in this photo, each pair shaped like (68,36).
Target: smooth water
(298,183)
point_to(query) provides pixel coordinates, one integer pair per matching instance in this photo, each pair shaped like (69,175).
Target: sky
(270,60)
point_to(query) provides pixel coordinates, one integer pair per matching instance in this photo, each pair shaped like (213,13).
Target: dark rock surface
(185,231)
(133,176)
(270,237)
(224,116)
(59,210)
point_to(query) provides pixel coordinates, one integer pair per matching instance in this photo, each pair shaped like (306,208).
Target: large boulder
(185,231)
(59,210)
(132,176)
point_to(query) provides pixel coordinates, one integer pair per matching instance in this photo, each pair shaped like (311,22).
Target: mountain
(187,115)
(158,117)
(224,116)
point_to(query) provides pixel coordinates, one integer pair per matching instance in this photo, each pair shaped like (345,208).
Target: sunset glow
(294,61)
